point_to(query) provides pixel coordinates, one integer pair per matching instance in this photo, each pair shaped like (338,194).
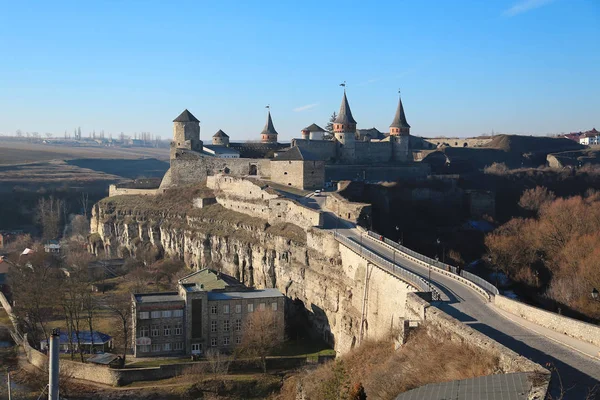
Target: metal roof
(269,128)
(296,154)
(345,115)
(186,116)
(251,294)
(144,298)
(103,359)
(209,280)
(314,128)
(400,119)
(220,133)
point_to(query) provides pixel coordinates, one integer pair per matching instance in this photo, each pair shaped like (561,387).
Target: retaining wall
(348,210)
(113,190)
(569,326)
(509,361)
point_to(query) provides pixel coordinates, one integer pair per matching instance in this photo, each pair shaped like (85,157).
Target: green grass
(156,362)
(303,347)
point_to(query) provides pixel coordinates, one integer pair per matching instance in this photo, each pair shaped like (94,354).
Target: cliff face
(319,277)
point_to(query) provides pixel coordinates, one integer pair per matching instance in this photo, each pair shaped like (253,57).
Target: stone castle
(305,163)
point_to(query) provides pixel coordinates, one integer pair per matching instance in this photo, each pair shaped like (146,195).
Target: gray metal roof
(186,116)
(144,298)
(345,115)
(296,154)
(269,128)
(220,133)
(251,294)
(400,119)
(314,128)
(515,386)
(218,149)
(104,359)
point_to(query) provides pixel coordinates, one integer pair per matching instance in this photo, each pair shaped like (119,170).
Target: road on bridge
(576,361)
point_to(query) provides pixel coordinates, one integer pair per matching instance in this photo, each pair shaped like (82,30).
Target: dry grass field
(14,152)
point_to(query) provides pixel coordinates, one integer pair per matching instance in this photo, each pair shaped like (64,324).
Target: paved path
(574,359)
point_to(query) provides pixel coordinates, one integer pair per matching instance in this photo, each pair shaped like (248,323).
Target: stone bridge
(572,346)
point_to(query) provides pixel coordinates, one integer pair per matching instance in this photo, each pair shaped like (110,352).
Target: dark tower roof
(221,134)
(400,119)
(186,116)
(269,128)
(345,115)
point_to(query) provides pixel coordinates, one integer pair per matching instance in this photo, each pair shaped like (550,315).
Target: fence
(488,287)
(392,268)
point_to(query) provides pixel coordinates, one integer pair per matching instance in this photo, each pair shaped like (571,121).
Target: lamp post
(595,294)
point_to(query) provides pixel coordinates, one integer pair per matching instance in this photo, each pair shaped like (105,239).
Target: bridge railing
(485,285)
(392,268)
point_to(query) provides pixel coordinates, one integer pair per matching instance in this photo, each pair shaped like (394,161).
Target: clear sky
(465,67)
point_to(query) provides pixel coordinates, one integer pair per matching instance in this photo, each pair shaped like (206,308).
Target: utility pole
(8,381)
(53,365)
(363,318)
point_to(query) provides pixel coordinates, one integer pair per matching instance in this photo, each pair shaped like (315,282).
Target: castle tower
(344,128)
(269,134)
(400,135)
(305,134)
(399,125)
(186,132)
(220,138)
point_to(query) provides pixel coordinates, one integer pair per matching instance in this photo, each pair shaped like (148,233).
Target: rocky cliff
(320,278)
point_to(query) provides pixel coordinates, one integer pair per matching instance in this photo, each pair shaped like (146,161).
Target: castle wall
(322,149)
(459,142)
(345,209)
(286,210)
(288,173)
(376,173)
(192,168)
(314,174)
(113,190)
(372,152)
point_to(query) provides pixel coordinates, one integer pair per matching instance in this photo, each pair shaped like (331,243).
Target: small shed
(107,359)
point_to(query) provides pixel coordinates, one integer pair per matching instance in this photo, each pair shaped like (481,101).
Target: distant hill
(513,150)
(532,144)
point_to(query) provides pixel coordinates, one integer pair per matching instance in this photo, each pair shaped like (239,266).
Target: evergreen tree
(329,126)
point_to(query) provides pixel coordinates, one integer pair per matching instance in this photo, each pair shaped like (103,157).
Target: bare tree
(49,214)
(219,363)
(120,307)
(263,332)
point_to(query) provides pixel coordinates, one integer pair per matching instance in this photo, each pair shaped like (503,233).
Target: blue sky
(464,67)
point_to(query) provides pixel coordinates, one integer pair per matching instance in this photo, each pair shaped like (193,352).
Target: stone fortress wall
(459,142)
(257,199)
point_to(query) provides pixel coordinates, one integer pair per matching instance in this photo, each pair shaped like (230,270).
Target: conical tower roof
(220,133)
(345,115)
(400,119)
(269,128)
(186,116)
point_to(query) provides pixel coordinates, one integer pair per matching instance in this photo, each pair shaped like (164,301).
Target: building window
(274,306)
(226,325)
(213,326)
(144,315)
(167,330)
(238,340)
(196,347)
(178,329)
(238,308)
(226,309)
(155,331)
(167,346)
(238,325)
(155,348)
(145,348)
(166,314)
(213,342)
(178,313)
(213,309)
(261,306)
(226,341)
(155,314)
(144,331)
(250,307)
(178,346)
